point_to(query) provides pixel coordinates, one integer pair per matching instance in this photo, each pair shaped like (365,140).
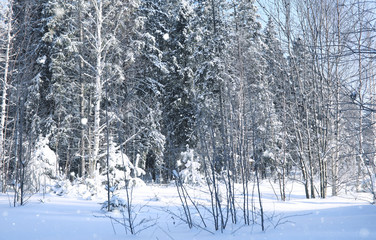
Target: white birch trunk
(360,122)
(337,102)
(82,97)
(4,95)
(98,84)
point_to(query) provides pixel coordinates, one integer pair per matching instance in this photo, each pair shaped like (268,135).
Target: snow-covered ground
(348,217)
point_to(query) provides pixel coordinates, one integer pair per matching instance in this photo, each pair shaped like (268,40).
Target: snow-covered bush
(122,170)
(116,203)
(93,186)
(41,168)
(190,166)
(62,186)
(122,173)
(85,188)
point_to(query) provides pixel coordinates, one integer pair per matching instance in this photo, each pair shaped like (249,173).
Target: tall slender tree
(6,61)
(178,102)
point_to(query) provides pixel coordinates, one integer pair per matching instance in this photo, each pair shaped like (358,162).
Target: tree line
(293,98)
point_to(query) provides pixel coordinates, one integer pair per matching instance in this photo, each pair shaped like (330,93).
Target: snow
(59,12)
(54,217)
(42,60)
(166,36)
(84,121)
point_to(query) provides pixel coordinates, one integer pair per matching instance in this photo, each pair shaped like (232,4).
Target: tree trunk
(337,102)
(98,85)
(359,93)
(82,95)
(4,96)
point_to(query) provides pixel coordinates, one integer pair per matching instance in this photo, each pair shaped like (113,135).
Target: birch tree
(102,27)
(8,37)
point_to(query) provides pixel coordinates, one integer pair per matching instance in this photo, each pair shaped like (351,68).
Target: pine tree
(146,91)
(62,35)
(33,83)
(178,100)
(276,77)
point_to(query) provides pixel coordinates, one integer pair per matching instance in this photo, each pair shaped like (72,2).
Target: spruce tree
(178,101)
(150,68)
(276,76)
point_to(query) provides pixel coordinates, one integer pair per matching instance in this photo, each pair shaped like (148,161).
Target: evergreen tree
(62,35)
(276,76)
(178,101)
(34,108)
(146,90)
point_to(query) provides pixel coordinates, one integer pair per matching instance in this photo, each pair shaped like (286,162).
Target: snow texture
(347,218)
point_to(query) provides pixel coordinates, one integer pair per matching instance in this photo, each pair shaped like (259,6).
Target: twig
(280,220)
(198,211)
(184,220)
(271,184)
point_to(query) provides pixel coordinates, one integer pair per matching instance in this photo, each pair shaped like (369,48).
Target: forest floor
(159,215)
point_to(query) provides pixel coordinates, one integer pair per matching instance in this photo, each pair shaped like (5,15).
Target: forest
(210,92)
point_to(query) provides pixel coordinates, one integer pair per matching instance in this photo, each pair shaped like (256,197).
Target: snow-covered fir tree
(148,89)
(276,77)
(178,100)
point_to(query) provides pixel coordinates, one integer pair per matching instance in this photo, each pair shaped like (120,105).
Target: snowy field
(348,217)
